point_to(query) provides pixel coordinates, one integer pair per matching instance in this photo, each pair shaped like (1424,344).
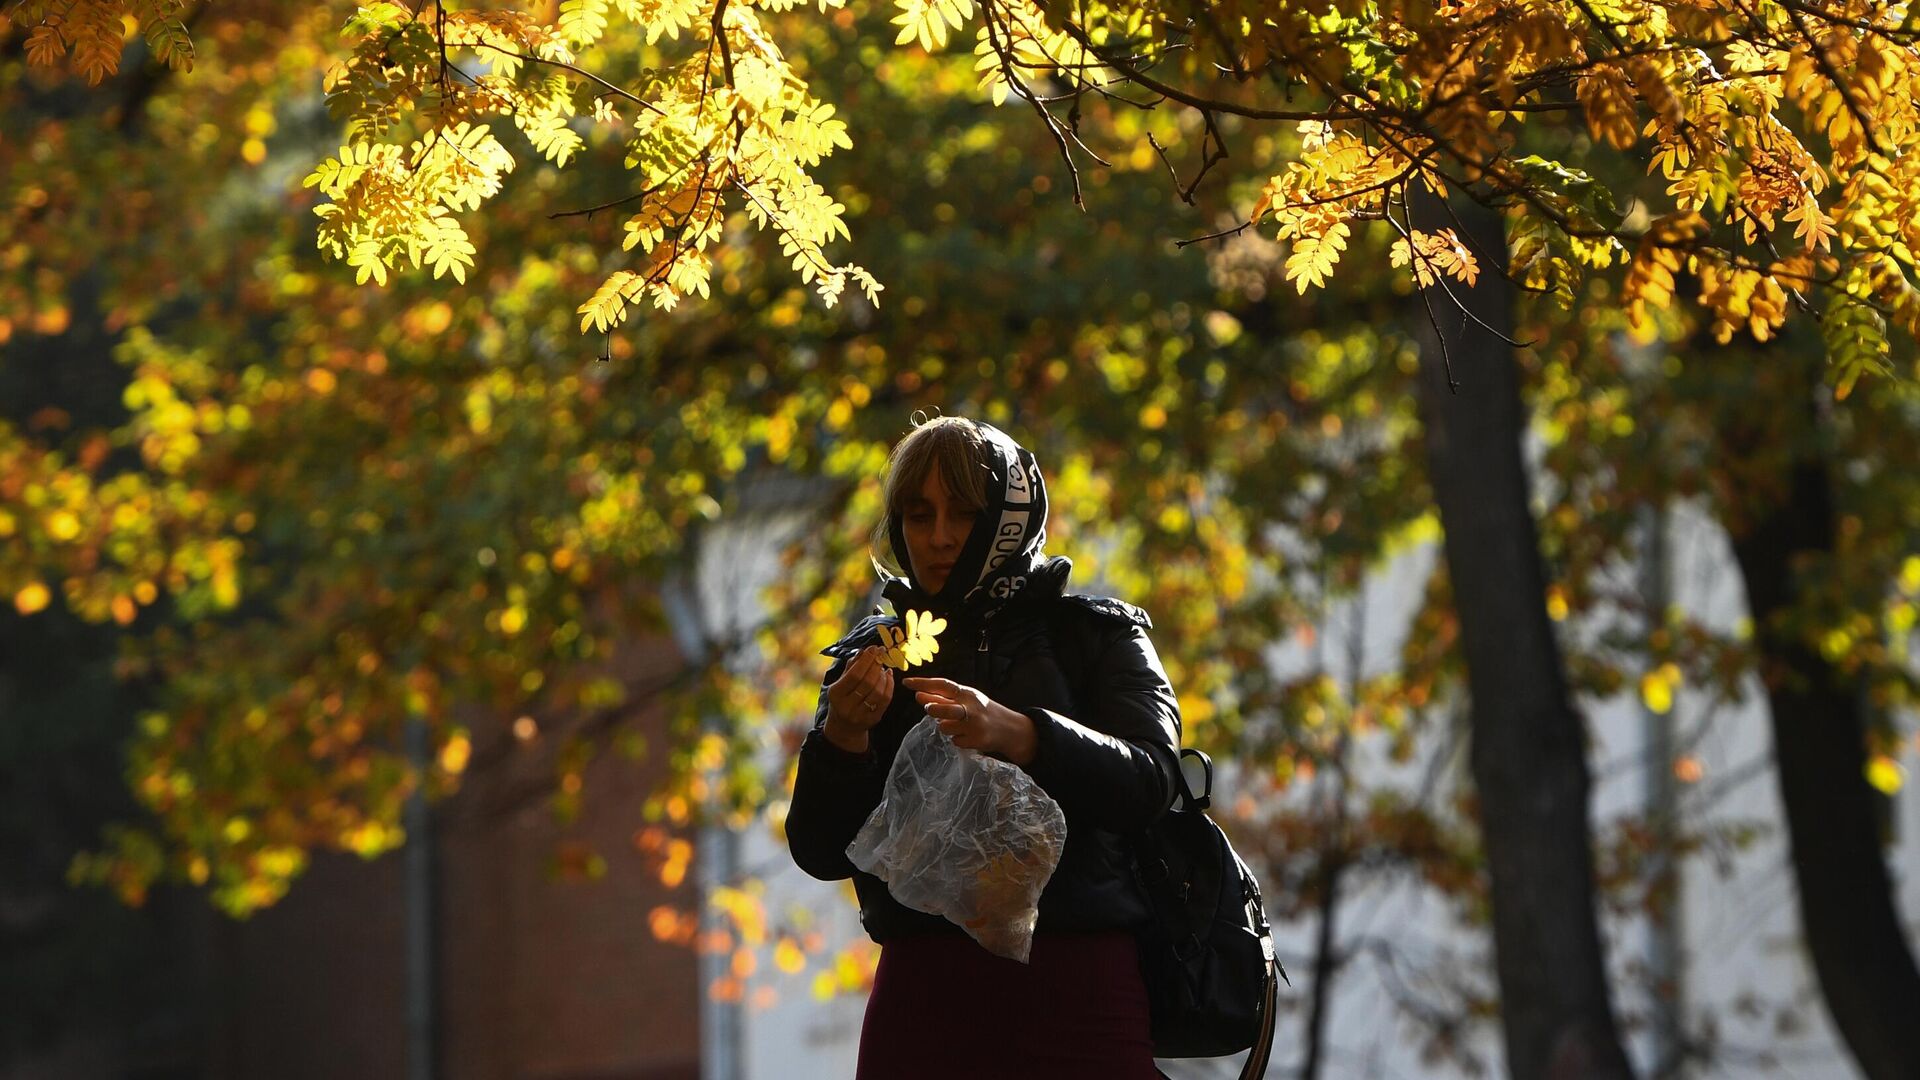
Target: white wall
(1745,976)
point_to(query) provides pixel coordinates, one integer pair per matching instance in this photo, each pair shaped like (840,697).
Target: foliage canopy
(1784,131)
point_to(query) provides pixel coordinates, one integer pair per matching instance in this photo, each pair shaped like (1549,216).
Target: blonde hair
(951,444)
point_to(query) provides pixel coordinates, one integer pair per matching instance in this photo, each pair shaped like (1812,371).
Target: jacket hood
(1004,555)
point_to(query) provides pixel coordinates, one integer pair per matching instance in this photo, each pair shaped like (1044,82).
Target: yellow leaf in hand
(915,644)
(922,630)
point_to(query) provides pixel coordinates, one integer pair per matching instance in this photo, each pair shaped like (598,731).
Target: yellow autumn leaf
(849,972)
(1815,228)
(915,643)
(923,630)
(513,620)
(1657,686)
(63,525)
(1557,607)
(32,598)
(455,754)
(894,641)
(1313,258)
(1885,774)
(788,957)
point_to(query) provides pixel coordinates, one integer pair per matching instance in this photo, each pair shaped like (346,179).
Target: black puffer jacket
(1108,732)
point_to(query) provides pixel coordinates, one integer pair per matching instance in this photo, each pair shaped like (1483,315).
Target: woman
(1066,687)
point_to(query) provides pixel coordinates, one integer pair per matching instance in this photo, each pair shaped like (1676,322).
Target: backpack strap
(1188,797)
(1262,1047)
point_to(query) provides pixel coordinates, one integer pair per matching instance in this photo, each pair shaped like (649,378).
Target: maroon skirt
(943,1008)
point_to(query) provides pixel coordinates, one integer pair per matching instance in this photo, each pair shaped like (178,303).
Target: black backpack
(1207,954)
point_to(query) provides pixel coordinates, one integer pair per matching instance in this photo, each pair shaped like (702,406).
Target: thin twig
(1439,336)
(1135,75)
(1002,49)
(1208,160)
(592,210)
(1164,160)
(720,35)
(1221,235)
(582,72)
(440,36)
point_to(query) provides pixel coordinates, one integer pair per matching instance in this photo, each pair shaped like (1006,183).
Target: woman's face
(936,526)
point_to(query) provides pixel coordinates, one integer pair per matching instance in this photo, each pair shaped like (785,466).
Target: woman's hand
(857,700)
(974,720)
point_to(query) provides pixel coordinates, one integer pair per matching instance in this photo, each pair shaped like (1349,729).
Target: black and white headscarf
(1005,552)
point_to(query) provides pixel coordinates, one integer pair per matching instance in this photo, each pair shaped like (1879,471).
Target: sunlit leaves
(1650,276)
(729,127)
(87,36)
(1742,299)
(1815,228)
(443,245)
(391,203)
(1856,341)
(459,166)
(1016,40)
(583,21)
(1314,255)
(1606,95)
(929,21)
(608,307)
(31,598)
(916,643)
(1337,179)
(1747,132)
(1749,129)
(1885,774)
(1433,255)
(1657,688)
(661,18)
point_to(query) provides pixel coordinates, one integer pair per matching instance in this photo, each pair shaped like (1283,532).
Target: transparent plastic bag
(964,836)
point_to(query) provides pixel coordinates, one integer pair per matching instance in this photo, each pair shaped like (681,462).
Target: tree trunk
(1860,954)
(1528,745)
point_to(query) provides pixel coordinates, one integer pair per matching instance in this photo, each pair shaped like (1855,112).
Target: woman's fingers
(867,662)
(879,683)
(930,690)
(875,673)
(965,730)
(861,694)
(856,671)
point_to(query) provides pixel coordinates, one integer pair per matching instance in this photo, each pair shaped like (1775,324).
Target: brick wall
(540,978)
